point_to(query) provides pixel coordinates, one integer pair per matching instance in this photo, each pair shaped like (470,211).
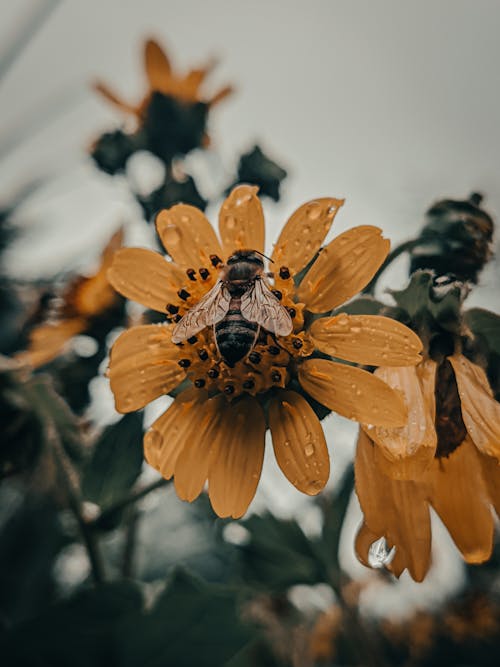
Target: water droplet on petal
(314,487)
(379,556)
(153,438)
(230,222)
(171,235)
(309,450)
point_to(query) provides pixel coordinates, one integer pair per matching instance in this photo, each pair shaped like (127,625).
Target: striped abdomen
(235,336)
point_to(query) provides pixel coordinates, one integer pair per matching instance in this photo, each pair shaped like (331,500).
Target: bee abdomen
(235,336)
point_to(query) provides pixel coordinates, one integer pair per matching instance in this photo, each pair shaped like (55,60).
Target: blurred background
(389,105)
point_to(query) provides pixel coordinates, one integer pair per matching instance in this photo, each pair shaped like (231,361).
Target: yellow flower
(215,428)
(447,456)
(162,79)
(83,300)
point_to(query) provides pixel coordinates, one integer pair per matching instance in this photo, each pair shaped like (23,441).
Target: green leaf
(79,632)
(115,463)
(278,555)
(486,325)
(191,624)
(365,305)
(414,299)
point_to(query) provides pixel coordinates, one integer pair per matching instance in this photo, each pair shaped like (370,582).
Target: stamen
(292,312)
(274,350)
(297,343)
(184,363)
(191,274)
(254,357)
(192,340)
(213,373)
(173,310)
(203,354)
(275,376)
(177,318)
(284,273)
(204,273)
(199,383)
(183,294)
(216,260)
(229,389)
(249,384)
(277,294)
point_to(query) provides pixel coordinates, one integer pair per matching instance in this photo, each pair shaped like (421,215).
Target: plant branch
(394,254)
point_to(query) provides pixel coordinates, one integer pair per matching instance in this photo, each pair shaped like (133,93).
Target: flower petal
(458,494)
(238,454)
(406,452)
(299,442)
(143,365)
(202,431)
(114,99)
(157,65)
(303,234)
(352,392)
(145,276)
(187,236)
(480,411)
(241,220)
(367,339)
(166,438)
(491,474)
(343,268)
(220,95)
(48,341)
(426,372)
(394,509)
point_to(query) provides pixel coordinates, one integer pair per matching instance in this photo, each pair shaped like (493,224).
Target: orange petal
(491,475)
(343,268)
(238,454)
(221,95)
(94,295)
(156,64)
(114,99)
(352,392)
(164,441)
(426,372)
(480,411)
(405,452)
(299,442)
(241,220)
(395,510)
(48,341)
(458,494)
(187,236)
(367,339)
(145,276)
(143,365)
(303,234)
(363,541)
(200,436)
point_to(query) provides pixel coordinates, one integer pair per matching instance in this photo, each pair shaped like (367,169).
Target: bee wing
(261,306)
(210,310)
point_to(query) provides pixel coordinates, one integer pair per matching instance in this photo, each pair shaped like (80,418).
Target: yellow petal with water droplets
(367,339)
(241,221)
(187,236)
(491,474)
(238,454)
(143,365)
(352,392)
(48,341)
(146,277)
(363,541)
(406,452)
(426,372)
(299,442)
(192,465)
(394,509)
(303,234)
(480,411)
(343,268)
(458,494)
(165,439)
(157,65)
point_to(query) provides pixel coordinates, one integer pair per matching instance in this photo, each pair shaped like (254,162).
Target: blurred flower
(257,169)
(447,456)
(170,119)
(215,429)
(456,239)
(83,301)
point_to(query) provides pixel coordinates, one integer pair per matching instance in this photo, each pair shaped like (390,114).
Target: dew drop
(230,222)
(153,438)
(314,212)
(309,450)
(314,487)
(378,555)
(171,235)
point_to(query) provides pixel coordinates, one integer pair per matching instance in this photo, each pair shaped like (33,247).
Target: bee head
(251,256)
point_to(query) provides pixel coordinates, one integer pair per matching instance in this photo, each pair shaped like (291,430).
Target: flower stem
(125,502)
(394,254)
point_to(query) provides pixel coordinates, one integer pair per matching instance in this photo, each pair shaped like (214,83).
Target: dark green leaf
(365,305)
(116,462)
(192,624)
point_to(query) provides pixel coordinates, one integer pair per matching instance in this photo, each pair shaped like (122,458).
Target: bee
(237,306)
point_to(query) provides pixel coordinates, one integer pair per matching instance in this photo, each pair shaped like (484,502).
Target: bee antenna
(262,255)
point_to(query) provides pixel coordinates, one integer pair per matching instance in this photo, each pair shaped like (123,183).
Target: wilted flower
(83,301)
(216,425)
(447,456)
